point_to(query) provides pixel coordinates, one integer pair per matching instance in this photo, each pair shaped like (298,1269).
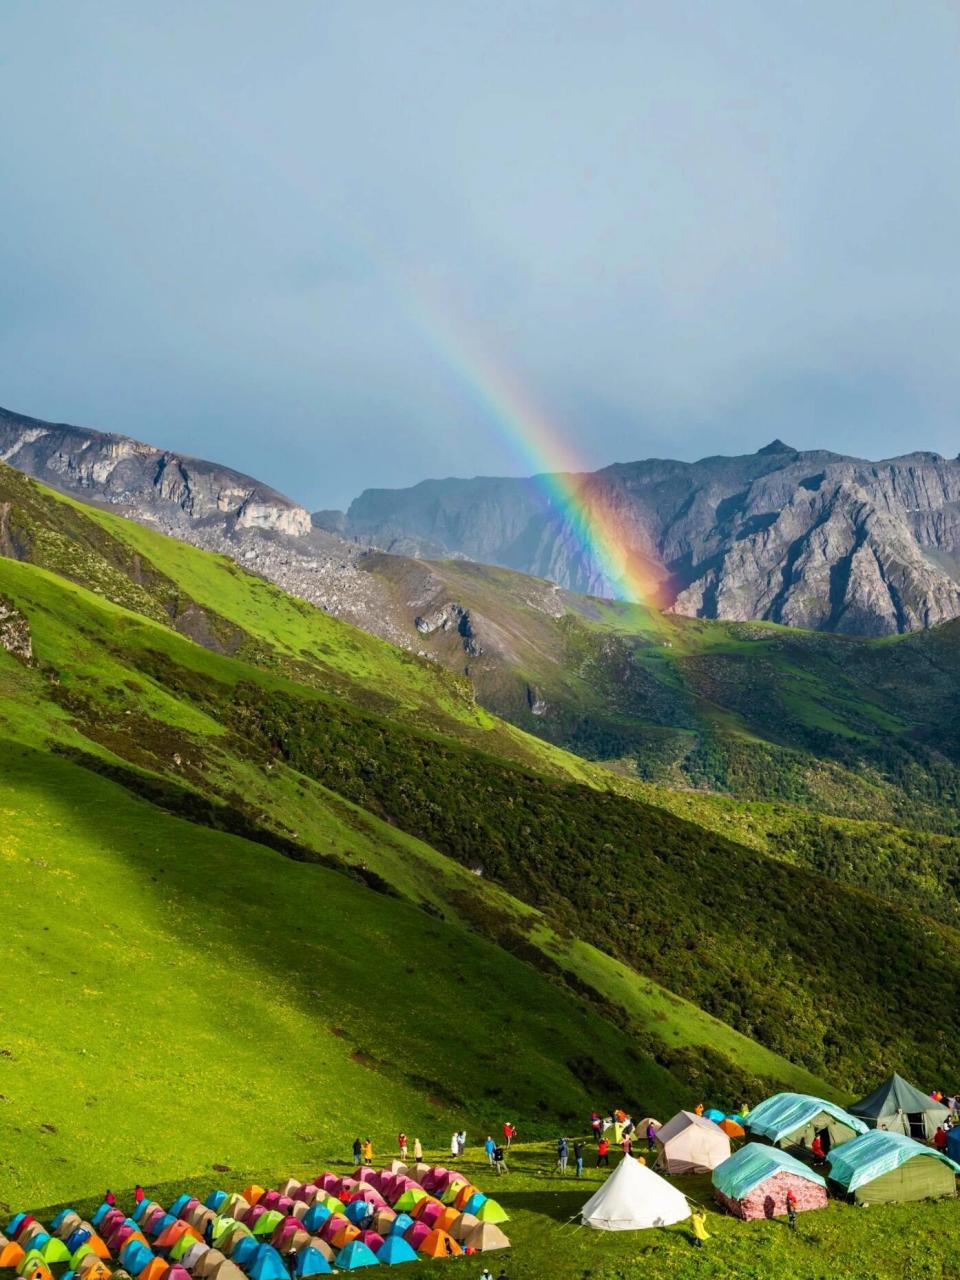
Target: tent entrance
(915,1120)
(824,1136)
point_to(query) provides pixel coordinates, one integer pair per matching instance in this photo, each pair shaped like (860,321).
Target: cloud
(688,227)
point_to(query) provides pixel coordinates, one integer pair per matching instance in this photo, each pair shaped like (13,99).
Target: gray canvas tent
(900,1108)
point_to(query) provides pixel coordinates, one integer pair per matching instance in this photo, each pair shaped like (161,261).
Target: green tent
(54,1250)
(793,1120)
(883,1167)
(898,1107)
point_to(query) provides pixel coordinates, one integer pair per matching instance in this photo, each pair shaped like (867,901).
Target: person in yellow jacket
(698,1220)
(368,1152)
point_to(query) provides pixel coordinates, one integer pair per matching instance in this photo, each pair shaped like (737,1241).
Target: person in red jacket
(603,1153)
(816,1147)
(940,1138)
(509,1133)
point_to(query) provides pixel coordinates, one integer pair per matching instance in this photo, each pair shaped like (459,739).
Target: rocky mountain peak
(775,446)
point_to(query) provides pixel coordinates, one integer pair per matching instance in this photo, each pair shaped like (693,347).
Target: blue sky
(685,228)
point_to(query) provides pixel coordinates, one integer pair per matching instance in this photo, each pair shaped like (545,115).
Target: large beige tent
(691,1144)
(632,1198)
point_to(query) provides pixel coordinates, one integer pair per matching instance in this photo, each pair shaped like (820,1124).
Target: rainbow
(594,528)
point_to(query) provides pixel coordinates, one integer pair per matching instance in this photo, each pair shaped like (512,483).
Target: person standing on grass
(596,1124)
(367,1151)
(138,1194)
(578,1158)
(461,1142)
(651,1136)
(509,1133)
(489,1147)
(109,1198)
(698,1220)
(563,1153)
(402,1144)
(792,1209)
(357,1151)
(292,1262)
(417,1150)
(603,1153)
(498,1161)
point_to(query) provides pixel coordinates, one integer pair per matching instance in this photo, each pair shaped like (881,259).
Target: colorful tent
(755,1181)
(490,1211)
(215,1200)
(311,1262)
(401,1223)
(439,1244)
(732,1128)
(632,1198)
(898,1107)
(10,1254)
(134,1256)
(267,1265)
(156,1269)
(193,1255)
(795,1119)
(486,1236)
(354,1255)
(209,1263)
(316,1216)
(463,1225)
(244,1250)
(883,1167)
(396,1250)
(691,1144)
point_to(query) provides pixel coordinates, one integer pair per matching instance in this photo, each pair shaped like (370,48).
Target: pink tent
(365,1174)
(769,1198)
(188,1208)
(431,1213)
(372,1239)
(284,1204)
(327,1181)
(332,1226)
(269,1199)
(253,1213)
(416,1234)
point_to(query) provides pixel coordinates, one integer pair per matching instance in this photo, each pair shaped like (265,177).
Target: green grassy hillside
(860,729)
(209,823)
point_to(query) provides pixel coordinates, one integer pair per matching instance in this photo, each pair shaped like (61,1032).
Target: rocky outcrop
(15,636)
(175,490)
(455,619)
(809,539)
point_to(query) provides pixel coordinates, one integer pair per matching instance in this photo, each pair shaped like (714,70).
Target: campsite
(889,1242)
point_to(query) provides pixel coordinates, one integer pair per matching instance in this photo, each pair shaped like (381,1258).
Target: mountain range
(547,849)
(809,539)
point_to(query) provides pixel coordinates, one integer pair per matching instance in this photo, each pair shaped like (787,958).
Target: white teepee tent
(634,1197)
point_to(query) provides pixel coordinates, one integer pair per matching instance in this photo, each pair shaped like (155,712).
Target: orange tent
(252,1193)
(439,1244)
(464,1195)
(343,1237)
(11,1255)
(39,1272)
(446,1219)
(732,1129)
(98,1271)
(170,1235)
(98,1247)
(154,1270)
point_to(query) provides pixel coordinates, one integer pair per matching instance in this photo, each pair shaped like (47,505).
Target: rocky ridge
(810,539)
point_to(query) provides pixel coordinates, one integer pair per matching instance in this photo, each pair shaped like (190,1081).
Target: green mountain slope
(863,729)
(377,775)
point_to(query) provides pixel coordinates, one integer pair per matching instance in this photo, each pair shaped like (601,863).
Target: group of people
(362,1151)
